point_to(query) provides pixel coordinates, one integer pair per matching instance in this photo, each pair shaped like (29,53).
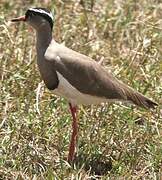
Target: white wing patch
(51,52)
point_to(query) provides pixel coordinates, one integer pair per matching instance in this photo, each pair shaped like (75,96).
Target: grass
(116,141)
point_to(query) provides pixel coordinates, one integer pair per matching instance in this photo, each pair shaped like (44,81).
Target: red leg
(73,140)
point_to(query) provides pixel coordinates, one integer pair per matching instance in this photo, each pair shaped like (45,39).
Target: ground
(115,140)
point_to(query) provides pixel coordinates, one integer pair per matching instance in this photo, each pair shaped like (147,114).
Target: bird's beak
(21,18)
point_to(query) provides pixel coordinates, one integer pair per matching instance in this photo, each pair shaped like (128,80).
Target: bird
(75,76)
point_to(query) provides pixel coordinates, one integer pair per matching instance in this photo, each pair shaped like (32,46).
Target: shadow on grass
(97,165)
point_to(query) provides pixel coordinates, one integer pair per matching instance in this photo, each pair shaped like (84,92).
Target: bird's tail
(139,99)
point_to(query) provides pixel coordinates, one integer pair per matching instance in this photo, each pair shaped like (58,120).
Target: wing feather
(91,78)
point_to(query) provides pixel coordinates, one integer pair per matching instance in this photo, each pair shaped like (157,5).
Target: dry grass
(115,141)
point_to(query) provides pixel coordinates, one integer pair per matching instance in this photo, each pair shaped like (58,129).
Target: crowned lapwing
(74,76)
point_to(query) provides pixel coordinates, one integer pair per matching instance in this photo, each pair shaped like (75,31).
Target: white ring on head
(42,12)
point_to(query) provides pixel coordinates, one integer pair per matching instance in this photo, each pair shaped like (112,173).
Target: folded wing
(90,78)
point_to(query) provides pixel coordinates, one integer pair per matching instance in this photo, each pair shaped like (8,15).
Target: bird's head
(37,17)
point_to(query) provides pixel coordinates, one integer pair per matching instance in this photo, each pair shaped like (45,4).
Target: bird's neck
(44,37)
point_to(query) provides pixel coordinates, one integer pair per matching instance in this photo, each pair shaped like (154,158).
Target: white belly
(66,90)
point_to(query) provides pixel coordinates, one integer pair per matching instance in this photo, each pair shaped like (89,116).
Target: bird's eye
(31,14)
